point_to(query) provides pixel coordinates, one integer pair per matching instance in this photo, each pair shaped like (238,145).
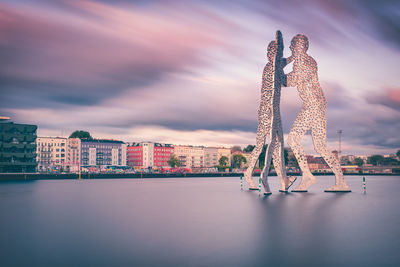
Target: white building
(51,153)
(73,159)
(211,156)
(183,154)
(190,156)
(148,154)
(196,157)
(225,152)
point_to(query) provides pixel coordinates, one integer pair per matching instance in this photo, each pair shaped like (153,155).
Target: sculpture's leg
(299,128)
(318,132)
(267,164)
(279,161)
(260,141)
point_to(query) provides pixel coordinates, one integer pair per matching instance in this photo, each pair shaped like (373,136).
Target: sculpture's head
(299,44)
(272,51)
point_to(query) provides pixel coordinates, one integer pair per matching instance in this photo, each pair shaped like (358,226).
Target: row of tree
(378,160)
(237,161)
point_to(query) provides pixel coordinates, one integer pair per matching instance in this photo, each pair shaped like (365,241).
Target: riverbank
(41,176)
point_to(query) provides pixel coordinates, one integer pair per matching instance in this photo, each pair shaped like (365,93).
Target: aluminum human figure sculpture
(269,119)
(311,116)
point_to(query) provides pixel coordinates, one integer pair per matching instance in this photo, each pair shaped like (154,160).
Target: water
(197,222)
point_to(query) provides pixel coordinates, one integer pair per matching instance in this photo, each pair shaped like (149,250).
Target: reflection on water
(197,222)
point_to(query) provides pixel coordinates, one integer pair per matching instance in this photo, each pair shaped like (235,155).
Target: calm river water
(197,222)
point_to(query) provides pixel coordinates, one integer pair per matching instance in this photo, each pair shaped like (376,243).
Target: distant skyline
(189,72)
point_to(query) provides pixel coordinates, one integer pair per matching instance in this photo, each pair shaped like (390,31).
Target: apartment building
(149,154)
(190,156)
(103,152)
(210,157)
(51,153)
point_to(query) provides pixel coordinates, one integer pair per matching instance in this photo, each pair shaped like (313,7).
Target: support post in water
(241,182)
(259,185)
(364,186)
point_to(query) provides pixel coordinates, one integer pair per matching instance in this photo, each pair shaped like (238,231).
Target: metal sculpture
(311,116)
(269,119)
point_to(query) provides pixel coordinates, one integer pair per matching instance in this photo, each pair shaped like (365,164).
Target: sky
(189,72)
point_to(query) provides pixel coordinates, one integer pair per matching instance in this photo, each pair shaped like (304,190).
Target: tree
(398,153)
(81,135)
(286,155)
(358,161)
(376,160)
(390,161)
(223,161)
(249,148)
(236,148)
(174,161)
(261,158)
(237,160)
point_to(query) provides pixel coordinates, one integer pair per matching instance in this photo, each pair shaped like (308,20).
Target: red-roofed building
(162,153)
(135,155)
(147,154)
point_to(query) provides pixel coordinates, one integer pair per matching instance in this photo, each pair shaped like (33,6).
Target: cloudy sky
(189,72)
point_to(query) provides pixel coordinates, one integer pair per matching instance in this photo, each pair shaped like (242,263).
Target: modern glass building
(17,147)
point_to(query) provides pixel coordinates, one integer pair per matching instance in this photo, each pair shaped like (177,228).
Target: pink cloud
(393,94)
(95,42)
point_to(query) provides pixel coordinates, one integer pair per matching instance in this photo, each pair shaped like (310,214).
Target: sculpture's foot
(306,181)
(344,188)
(288,183)
(283,191)
(252,186)
(267,193)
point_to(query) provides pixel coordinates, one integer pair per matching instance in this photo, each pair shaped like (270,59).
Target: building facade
(211,157)
(103,153)
(17,147)
(196,159)
(190,156)
(135,155)
(148,154)
(248,157)
(222,151)
(183,154)
(162,153)
(317,164)
(51,153)
(73,160)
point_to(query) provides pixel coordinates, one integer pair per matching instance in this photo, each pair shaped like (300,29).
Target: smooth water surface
(197,222)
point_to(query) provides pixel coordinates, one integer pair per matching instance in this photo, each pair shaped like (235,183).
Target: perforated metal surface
(269,118)
(312,115)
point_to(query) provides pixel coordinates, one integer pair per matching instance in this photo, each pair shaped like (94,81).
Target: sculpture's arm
(289,60)
(291,79)
(286,61)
